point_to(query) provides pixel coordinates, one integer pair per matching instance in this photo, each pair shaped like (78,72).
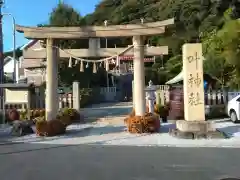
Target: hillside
(212,22)
(192,16)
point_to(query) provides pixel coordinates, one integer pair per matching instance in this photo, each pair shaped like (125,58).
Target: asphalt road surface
(96,162)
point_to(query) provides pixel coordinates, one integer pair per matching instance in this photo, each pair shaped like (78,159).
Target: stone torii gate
(137,31)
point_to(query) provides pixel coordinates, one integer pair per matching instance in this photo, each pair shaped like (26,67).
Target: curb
(37,139)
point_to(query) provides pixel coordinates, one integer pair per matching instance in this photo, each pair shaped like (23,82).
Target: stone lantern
(150,96)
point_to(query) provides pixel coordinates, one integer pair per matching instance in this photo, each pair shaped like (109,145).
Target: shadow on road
(231,131)
(165,128)
(33,147)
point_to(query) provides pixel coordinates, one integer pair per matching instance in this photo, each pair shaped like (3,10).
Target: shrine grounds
(110,129)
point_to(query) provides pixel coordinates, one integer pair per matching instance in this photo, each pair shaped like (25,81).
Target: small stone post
(150,96)
(76,95)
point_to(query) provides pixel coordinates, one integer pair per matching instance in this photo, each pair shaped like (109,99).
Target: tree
(194,19)
(221,50)
(18,53)
(174,66)
(230,37)
(218,68)
(65,15)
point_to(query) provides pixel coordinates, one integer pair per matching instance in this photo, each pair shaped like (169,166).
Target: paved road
(89,162)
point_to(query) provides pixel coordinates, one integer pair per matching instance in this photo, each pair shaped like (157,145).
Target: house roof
(178,77)
(29,44)
(7,59)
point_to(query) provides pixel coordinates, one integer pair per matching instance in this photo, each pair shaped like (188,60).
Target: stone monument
(193,82)
(194,107)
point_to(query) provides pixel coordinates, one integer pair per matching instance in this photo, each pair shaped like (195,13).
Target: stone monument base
(194,126)
(196,130)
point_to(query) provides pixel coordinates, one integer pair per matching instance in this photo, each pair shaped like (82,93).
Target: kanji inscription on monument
(194,109)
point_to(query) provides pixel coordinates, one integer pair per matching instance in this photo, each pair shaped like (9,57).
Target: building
(209,82)
(9,68)
(33,69)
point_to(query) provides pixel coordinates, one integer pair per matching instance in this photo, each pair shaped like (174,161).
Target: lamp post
(14,44)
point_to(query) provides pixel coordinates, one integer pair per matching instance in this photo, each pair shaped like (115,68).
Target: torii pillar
(139,76)
(51,80)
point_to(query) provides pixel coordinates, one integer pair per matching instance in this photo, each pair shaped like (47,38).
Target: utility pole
(1,59)
(106,44)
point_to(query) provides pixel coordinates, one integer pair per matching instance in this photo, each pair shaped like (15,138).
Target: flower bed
(162,111)
(14,114)
(149,123)
(56,126)
(50,128)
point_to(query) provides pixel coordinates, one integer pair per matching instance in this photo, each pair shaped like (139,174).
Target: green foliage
(162,110)
(193,18)
(218,68)
(23,115)
(18,53)
(211,22)
(216,112)
(68,116)
(174,65)
(65,15)
(230,36)
(222,51)
(40,119)
(32,114)
(7,79)
(72,113)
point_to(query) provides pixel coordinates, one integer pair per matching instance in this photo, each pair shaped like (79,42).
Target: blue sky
(33,12)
